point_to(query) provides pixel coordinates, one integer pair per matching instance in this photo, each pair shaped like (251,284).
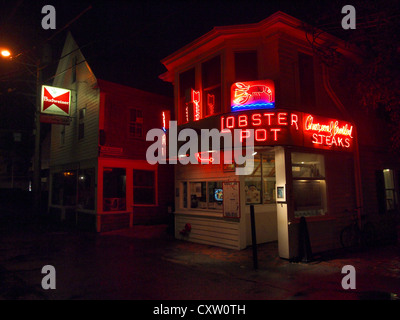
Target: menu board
(231,192)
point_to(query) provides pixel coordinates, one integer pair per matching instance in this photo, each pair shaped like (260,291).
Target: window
(211,83)
(135,123)
(309,187)
(144,191)
(114,189)
(203,195)
(62,136)
(184,194)
(74,63)
(81,127)
(390,192)
(186,84)
(260,184)
(246,66)
(306,77)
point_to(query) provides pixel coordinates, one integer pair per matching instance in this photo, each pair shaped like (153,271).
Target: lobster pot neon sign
(252,95)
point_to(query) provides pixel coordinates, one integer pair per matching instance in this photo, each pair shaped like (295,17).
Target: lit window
(309,186)
(211,82)
(186,85)
(204,195)
(390,192)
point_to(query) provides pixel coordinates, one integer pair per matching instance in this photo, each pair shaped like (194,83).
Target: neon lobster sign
(253,95)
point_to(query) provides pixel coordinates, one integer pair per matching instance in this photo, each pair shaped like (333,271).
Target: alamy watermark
(238,148)
(49,20)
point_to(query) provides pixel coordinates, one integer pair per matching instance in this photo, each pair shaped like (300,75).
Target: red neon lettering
(282,118)
(256,117)
(257,135)
(247,135)
(269,117)
(347,143)
(275,131)
(314,138)
(242,121)
(187,112)
(294,120)
(230,122)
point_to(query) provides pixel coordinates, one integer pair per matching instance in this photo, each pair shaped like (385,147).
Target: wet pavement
(147,263)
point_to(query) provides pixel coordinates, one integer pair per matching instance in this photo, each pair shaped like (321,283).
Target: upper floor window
(74,63)
(81,127)
(186,84)
(135,123)
(246,66)
(211,83)
(306,78)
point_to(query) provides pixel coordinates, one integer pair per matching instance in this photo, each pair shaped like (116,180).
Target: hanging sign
(55,101)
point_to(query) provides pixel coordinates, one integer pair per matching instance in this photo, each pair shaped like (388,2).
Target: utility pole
(36,158)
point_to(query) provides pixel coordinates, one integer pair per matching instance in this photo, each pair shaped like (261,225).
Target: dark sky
(124,41)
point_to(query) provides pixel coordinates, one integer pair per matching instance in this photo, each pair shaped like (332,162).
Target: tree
(377,35)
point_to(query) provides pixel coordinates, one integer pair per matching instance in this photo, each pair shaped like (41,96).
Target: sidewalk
(378,269)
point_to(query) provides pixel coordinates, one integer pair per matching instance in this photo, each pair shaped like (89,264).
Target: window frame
(318,177)
(135,123)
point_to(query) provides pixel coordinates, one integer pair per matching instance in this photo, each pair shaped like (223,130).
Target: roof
(279,21)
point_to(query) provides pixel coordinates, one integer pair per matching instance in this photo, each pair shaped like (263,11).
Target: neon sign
(330,133)
(210,103)
(279,127)
(166,117)
(253,95)
(196,105)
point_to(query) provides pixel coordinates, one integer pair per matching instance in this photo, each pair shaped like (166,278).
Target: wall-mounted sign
(285,127)
(231,199)
(253,95)
(55,101)
(323,132)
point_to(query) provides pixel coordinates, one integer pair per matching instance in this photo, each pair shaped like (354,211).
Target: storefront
(297,159)
(316,153)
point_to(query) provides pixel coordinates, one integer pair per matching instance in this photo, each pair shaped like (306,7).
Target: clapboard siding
(208,231)
(85,94)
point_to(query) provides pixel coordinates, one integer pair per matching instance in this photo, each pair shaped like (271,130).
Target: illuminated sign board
(55,101)
(253,95)
(285,127)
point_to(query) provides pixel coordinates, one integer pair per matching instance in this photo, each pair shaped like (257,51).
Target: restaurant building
(99,177)
(316,153)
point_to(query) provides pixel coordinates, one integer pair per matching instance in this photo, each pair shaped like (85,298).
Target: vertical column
(286,238)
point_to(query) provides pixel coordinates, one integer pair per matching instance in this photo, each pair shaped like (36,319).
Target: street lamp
(5,53)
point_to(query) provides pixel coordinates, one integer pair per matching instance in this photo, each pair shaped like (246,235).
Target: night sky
(124,41)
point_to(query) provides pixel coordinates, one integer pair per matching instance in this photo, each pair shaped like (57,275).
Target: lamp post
(5,53)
